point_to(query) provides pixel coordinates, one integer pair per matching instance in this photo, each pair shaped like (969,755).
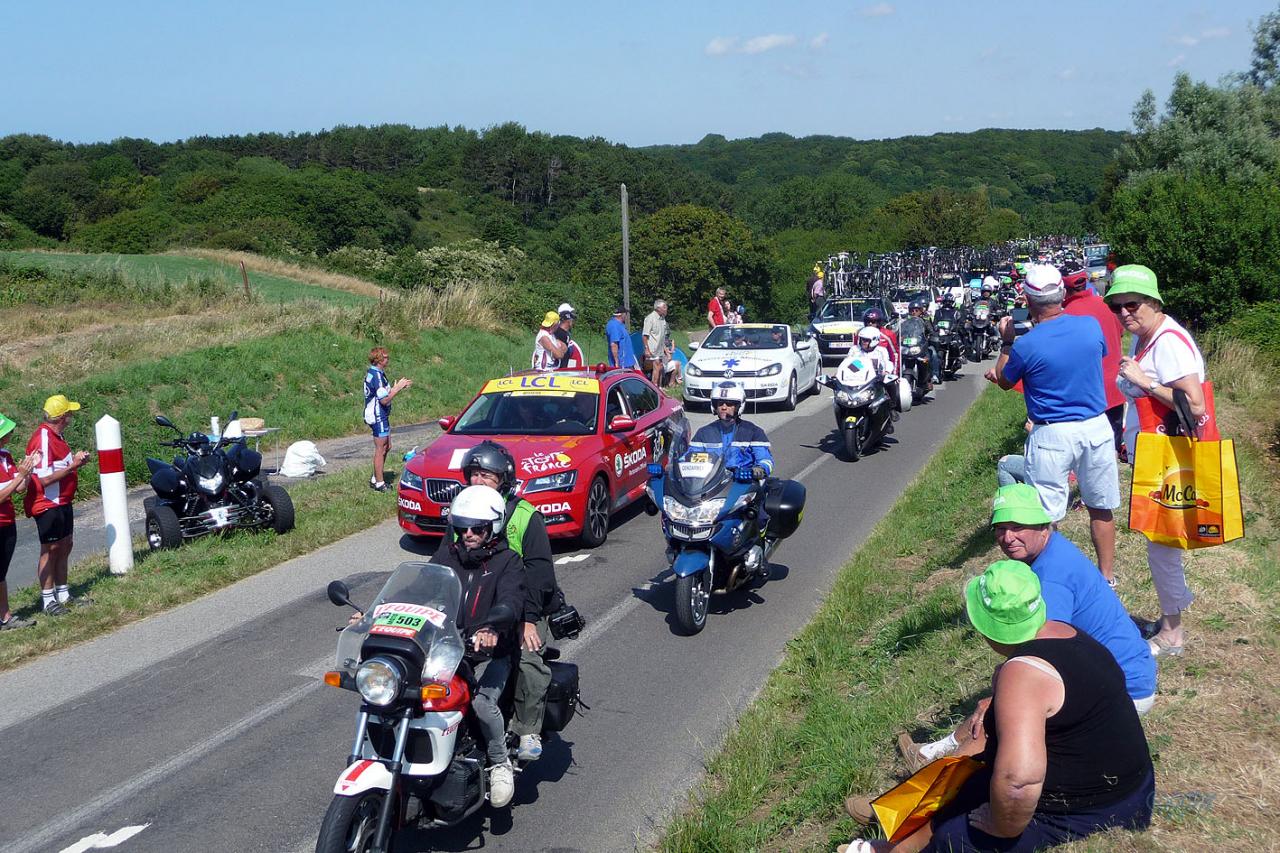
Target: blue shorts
(381,427)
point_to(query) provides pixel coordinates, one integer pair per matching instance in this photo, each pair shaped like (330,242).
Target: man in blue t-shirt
(621,353)
(1059,363)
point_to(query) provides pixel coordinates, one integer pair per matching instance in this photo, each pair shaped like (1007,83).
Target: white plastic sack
(301,460)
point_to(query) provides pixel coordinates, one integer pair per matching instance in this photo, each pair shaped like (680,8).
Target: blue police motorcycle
(721,526)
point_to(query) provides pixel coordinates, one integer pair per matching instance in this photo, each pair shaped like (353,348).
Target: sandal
(1160,647)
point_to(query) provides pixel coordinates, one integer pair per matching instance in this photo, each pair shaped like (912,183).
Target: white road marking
(102,841)
(116,794)
(572,558)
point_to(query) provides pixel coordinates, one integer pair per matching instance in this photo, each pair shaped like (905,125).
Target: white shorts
(1085,448)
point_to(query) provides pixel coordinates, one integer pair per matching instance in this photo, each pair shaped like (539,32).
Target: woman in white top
(547,351)
(1163,358)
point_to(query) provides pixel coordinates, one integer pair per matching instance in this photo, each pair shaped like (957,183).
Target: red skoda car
(582,440)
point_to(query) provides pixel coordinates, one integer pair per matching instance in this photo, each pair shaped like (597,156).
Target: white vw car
(768,360)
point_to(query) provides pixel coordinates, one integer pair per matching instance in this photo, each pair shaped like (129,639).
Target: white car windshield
(746,337)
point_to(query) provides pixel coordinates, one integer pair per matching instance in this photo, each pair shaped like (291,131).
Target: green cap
(6,426)
(1134,279)
(1004,602)
(1018,503)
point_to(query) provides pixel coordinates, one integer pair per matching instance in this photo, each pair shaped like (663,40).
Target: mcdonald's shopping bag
(909,806)
(1186,493)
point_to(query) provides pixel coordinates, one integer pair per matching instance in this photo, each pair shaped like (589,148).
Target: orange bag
(909,806)
(1186,493)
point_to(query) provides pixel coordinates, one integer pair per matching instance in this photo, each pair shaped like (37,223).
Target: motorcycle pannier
(459,787)
(784,501)
(562,696)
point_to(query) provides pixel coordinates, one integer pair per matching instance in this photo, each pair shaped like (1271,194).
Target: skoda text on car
(581,440)
(839,320)
(767,359)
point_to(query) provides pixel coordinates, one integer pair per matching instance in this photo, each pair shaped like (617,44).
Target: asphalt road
(207,724)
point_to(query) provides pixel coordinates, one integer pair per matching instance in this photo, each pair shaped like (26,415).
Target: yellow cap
(550,318)
(58,405)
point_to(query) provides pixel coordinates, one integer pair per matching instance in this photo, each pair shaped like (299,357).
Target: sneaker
(1161,647)
(859,808)
(13,622)
(857,845)
(502,785)
(56,609)
(910,751)
(530,748)
(376,486)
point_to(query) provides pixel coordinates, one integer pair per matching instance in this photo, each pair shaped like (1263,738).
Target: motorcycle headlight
(692,370)
(911,350)
(410,480)
(379,679)
(210,484)
(859,398)
(843,397)
(560,481)
(703,513)
(771,370)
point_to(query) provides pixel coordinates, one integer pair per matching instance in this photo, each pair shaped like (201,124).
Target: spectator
(1083,301)
(817,290)
(1164,359)
(618,336)
(1012,468)
(717,309)
(378,394)
(563,334)
(13,480)
(1059,363)
(547,348)
(657,341)
(1065,753)
(50,492)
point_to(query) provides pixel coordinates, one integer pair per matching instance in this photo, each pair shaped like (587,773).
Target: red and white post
(115,501)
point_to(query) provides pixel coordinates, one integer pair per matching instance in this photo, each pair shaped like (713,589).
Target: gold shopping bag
(906,808)
(1186,493)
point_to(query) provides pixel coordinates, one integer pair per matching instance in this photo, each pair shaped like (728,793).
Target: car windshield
(846,310)
(419,602)
(543,404)
(746,337)
(697,470)
(902,294)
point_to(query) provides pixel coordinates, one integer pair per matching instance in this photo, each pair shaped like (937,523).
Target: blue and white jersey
(376,389)
(743,444)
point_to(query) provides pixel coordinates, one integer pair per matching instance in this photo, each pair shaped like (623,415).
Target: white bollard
(115,501)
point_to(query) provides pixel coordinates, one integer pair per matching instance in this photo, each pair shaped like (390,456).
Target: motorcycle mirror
(340,595)
(654,469)
(161,420)
(235,413)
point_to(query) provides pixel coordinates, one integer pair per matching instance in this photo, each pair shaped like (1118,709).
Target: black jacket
(490,575)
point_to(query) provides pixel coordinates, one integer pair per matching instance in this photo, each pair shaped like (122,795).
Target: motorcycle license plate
(219,516)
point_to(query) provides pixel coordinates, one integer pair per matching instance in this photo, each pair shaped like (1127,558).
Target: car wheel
(595,523)
(793,395)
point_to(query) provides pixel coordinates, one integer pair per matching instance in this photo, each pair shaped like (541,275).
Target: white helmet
(868,335)
(730,392)
(477,505)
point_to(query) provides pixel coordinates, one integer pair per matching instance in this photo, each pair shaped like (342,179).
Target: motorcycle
(862,406)
(211,486)
(720,531)
(946,325)
(915,357)
(982,331)
(418,758)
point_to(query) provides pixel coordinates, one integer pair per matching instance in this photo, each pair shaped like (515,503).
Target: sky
(637,73)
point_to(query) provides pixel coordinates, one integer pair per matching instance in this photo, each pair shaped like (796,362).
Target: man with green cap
(13,480)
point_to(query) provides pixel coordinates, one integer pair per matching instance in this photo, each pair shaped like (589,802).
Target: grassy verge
(166,579)
(890,649)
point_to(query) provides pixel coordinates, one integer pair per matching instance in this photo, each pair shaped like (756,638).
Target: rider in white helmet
(867,351)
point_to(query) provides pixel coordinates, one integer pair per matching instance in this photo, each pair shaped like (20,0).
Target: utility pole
(626,253)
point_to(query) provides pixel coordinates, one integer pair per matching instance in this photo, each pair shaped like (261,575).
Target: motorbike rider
(491,573)
(875,318)
(869,349)
(918,309)
(490,464)
(744,445)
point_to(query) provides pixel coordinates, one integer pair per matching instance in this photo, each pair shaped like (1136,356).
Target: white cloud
(1067,73)
(721,45)
(1215,33)
(819,41)
(879,10)
(1177,60)
(1187,41)
(760,44)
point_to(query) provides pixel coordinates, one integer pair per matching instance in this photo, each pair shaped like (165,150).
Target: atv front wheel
(163,528)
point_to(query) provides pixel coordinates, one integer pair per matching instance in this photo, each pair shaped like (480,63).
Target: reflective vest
(517,523)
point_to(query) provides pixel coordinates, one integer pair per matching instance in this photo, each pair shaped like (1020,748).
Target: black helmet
(948,298)
(494,458)
(920,301)
(873,316)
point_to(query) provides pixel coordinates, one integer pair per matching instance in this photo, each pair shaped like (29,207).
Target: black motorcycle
(949,341)
(982,330)
(210,486)
(916,368)
(862,407)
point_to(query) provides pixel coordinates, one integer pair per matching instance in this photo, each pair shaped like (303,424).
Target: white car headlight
(378,680)
(212,484)
(560,481)
(771,370)
(693,370)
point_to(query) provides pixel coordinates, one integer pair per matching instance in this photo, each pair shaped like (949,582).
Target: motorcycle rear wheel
(281,508)
(693,599)
(350,823)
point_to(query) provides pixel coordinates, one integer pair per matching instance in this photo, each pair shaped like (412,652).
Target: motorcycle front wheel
(693,597)
(853,440)
(350,824)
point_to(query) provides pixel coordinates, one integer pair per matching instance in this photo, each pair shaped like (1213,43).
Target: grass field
(890,650)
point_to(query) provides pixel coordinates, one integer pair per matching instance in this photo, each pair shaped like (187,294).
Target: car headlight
(210,484)
(410,480)
(693,370)
(378,679)
(560,481)
(771,370)
(703,513)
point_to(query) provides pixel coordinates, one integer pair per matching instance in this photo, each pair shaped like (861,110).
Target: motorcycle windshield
(419,602)
(856,374)
(207,467)
(912,331)
(696,471)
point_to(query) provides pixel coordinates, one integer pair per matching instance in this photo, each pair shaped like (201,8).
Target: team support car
(768,360)
(840,319)
(582,440)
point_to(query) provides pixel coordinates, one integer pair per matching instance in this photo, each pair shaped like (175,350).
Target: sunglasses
(476,529)
(1131,307)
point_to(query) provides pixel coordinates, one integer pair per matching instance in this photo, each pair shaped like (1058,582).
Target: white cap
(565,308)
(1043,281)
